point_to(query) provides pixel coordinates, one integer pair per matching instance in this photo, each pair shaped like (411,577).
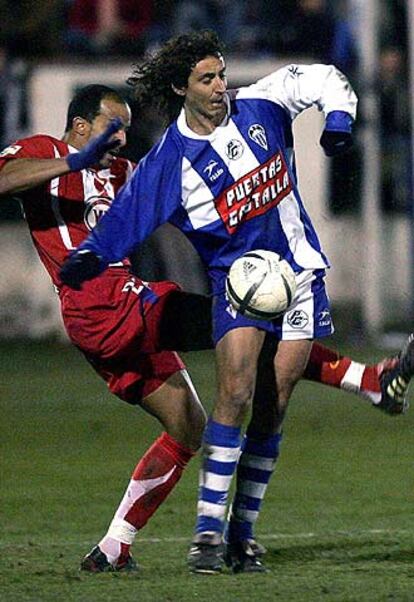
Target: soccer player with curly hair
(224,174)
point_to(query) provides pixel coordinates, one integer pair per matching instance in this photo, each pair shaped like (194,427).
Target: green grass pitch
(338,520)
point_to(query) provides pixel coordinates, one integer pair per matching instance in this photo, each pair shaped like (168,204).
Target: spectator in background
(394,105)
(298,27)
(191,15)
(394,22)
(226,17)
(344,51)
(13,97)
(26,35)
(117,27)
(14,112)
(161,27)
(31,30)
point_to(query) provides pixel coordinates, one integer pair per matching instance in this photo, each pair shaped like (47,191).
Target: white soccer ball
(261,285)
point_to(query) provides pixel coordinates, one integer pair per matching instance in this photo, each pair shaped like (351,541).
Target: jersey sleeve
(148,200)
(299,87)
(36,147)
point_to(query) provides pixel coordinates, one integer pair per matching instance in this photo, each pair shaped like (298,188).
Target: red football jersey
(61,213)
(114,320)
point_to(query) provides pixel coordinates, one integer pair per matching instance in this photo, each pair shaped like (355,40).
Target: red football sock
(326,366)
(370,379)
(330,368)
(154,477)
(157,473)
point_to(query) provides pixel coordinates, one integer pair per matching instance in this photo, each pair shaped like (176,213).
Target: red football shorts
(114,320)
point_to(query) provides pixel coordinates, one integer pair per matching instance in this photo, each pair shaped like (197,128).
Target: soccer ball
(260,285)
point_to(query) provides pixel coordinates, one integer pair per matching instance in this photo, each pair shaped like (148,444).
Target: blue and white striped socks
(221,449)
(256,465)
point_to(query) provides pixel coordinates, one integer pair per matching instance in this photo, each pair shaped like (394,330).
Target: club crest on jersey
(211,170)
(95,209)
(10,150)
(257,133)
(234,149)
(297,318)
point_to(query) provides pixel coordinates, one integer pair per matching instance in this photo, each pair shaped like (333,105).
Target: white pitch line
(271,536)
(310,535)
(180,539)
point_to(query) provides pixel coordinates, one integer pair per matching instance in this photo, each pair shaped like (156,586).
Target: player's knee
(195,426)
(189,434)
(188,422)
(285,388)
(236,393)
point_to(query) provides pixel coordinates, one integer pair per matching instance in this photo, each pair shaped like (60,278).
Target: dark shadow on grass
(339,552)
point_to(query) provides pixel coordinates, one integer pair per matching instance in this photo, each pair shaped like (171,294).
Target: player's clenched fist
(94,151)
(80,266)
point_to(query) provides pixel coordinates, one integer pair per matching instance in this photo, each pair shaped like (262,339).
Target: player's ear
(179,91)
(81,126)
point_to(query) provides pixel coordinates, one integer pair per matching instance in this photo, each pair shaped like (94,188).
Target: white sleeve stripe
(54,193)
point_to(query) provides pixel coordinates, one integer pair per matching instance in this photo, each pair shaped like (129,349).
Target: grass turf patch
(337,519)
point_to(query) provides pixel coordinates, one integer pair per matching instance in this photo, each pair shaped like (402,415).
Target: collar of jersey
(188,132)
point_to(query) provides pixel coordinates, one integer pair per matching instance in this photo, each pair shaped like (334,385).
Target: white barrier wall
(28,304)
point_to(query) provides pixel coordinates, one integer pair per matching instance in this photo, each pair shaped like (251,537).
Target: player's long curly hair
(172,65)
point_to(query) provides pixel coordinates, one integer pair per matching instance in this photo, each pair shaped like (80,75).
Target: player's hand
(96,148)
(80,266)
(337,135)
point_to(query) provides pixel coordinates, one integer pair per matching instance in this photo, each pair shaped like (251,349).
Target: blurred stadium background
(361,203)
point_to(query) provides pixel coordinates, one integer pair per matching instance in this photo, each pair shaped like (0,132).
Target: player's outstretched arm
(299,87)
(22,174)
(145,202)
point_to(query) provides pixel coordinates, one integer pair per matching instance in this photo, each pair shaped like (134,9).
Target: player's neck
(72,140)
(202,124)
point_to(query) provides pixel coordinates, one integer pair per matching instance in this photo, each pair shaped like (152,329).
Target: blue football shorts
(309,316)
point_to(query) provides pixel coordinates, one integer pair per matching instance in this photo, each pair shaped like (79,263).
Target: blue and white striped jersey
(235,189)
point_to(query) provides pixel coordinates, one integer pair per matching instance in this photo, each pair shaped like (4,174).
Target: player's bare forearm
(22,174)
